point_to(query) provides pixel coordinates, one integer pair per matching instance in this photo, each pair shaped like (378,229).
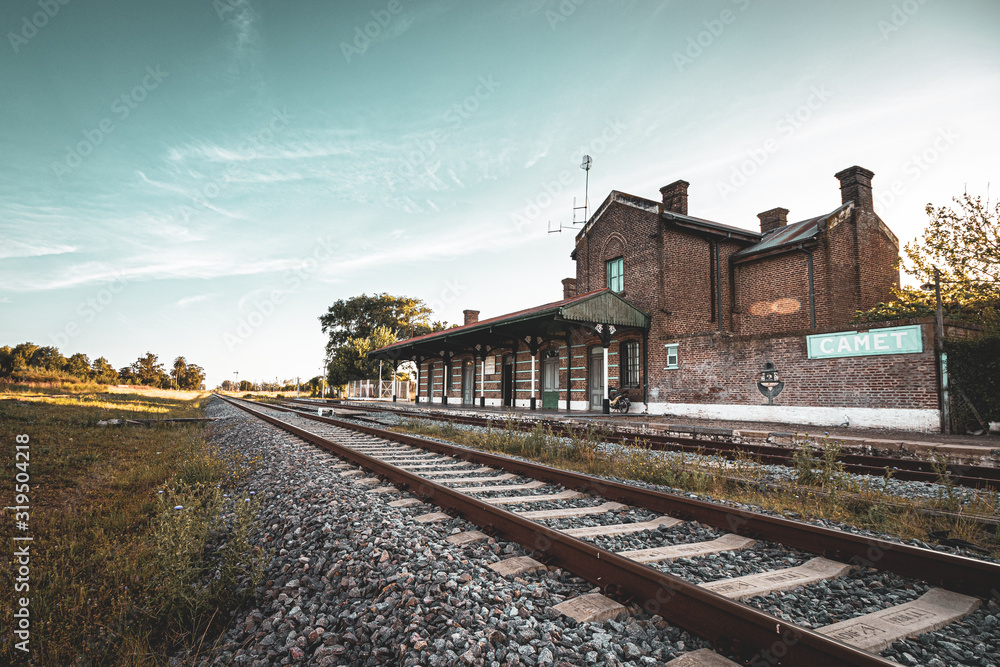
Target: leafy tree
(193,377)
(963,243)
(363,323)
(6,361)
(359,316)
(180,365)
(47,357)
(78,365)
(21,356)
(103,372)
(148,371)
(351,362)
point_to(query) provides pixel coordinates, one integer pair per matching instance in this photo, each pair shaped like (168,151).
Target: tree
(47,357)
(78,365)
(6,361)
(963,243)
(363,323)
(180,365)
(146,370)
(21,356)
(103,372)
(193,377)
(351,362)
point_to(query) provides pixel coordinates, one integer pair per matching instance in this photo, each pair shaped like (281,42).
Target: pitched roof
(612,308)
(793,234)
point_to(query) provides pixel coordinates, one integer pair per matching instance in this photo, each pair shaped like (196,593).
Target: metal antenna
(585,165)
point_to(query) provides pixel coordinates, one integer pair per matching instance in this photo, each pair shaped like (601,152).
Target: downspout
(645,369)
(812,292)
(718,286)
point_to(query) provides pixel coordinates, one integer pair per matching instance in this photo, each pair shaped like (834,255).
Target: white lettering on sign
(893,340)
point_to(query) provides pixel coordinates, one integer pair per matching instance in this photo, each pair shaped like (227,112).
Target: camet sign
(893,340)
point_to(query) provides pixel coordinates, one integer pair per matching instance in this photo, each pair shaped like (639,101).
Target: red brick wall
(773,294)
(723,369)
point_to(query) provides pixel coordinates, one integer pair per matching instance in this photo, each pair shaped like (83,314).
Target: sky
(205,178)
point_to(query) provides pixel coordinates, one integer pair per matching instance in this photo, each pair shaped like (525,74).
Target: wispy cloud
(143,268)
(12,249)
(538,155)
(188,300)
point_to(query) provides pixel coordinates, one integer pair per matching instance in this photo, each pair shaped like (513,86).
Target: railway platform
(965,447)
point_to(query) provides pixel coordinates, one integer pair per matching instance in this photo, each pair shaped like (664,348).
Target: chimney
(856,186)
(776,217)
(675,197)
(471,316)
(569,288)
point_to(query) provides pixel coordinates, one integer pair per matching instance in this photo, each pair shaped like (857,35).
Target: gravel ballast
(353,581)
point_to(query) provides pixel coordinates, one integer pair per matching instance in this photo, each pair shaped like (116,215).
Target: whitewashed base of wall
(927,421)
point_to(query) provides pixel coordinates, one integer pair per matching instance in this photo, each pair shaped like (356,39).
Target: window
(672,356)
(615,274)
(629,363)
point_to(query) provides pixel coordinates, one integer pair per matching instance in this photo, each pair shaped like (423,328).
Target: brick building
(685,313)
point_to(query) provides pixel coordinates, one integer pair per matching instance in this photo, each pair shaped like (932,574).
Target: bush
(974,370)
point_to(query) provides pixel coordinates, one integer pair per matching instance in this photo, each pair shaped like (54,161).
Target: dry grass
(118,576)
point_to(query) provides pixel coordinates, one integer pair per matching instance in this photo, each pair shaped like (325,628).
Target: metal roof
(600,306)
(711,226)
(792,235)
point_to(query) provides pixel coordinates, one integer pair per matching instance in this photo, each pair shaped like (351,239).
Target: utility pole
(237,374)
(942,356)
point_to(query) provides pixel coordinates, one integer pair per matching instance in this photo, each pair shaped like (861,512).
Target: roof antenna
(585,165)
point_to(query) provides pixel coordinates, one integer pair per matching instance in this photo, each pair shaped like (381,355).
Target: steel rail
(911,470)
(958,573)
(733,627)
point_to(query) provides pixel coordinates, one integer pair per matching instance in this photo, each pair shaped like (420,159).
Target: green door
(550,383)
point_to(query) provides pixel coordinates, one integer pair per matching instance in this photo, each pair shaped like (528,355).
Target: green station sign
(892,340)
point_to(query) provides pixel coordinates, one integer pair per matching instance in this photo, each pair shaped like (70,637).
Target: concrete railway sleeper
(707,609)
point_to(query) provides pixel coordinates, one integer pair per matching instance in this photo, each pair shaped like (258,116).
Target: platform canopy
(602,313)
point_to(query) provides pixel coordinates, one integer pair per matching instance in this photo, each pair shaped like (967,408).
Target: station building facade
(686,314)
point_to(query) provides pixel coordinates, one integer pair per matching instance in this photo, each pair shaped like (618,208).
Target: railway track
(568,519)
(907,469)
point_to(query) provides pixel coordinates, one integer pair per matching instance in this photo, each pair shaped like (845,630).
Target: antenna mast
(585,165)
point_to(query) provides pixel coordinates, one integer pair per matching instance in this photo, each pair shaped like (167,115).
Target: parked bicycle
(620,402)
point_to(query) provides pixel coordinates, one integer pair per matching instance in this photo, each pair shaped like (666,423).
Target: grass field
(118,576)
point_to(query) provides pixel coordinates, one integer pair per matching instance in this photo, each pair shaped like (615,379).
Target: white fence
(382,390)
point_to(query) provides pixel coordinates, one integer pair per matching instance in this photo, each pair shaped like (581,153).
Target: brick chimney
(776,217)
(569,288)
(675,197)
(471,316)
(856,186)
